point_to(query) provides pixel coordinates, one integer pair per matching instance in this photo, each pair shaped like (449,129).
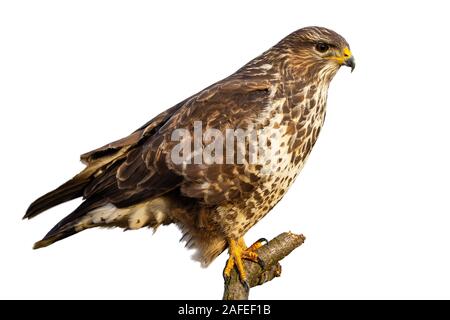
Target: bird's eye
(322,47)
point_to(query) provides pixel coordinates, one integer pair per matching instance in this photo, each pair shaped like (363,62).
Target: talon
(245,284)
(258,244)
(261,263)
(239,251)
(264,241)
(225,277)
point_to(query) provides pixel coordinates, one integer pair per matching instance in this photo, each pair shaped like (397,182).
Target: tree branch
(270,254)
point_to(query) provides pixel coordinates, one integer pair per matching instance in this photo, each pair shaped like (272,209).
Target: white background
(373,200)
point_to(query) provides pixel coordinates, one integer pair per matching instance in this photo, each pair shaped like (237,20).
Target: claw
(261,263)
(238,252)
(258,244)
(225,276)
(263,241)
(245,284)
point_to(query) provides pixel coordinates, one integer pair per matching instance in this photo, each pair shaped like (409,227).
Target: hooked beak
(350,62)
(348,59)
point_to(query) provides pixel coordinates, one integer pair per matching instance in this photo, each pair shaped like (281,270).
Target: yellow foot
(238,251)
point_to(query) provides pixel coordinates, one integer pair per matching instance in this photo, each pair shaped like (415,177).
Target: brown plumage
(133,182)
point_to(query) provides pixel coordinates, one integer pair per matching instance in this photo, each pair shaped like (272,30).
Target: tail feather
(100,213)
(48,240)
(66,227)
(70,190)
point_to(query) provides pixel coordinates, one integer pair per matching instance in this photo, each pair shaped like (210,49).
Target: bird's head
(316,51)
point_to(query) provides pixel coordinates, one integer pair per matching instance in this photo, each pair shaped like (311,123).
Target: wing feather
(146,170)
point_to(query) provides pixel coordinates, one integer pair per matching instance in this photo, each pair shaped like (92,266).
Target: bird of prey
(134,182)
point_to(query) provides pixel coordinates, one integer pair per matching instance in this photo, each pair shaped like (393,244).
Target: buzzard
(134,182)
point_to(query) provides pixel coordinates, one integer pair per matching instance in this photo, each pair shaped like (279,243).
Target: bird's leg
(239,251)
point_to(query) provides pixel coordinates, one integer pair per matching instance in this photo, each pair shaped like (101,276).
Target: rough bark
(270,254)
